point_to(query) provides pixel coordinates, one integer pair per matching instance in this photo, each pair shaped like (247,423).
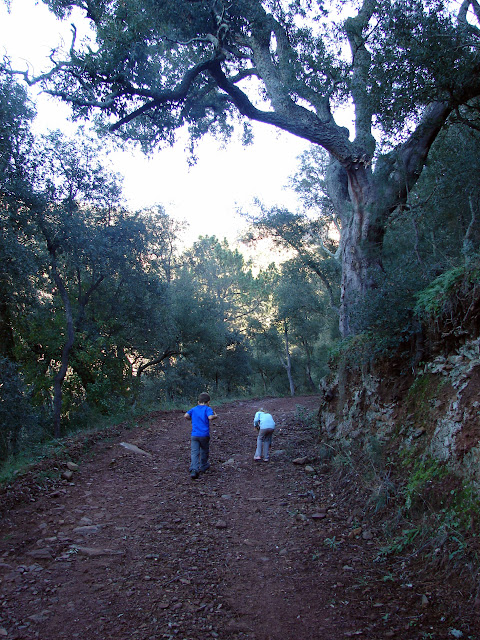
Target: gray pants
(264,441)
(199,453)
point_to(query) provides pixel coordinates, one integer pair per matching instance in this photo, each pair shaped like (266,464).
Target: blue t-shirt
(200,421)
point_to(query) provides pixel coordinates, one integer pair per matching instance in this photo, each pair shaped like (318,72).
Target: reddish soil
(132,548)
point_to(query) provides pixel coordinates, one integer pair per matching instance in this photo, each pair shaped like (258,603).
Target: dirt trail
(133,548)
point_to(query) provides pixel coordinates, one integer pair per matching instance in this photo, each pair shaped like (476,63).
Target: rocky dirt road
(132,548)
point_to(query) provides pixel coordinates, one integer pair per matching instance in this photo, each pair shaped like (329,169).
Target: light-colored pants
(264,440)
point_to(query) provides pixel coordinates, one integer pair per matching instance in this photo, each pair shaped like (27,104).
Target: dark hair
(204,398)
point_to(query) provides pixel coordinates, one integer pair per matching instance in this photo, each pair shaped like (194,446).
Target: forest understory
(131,547)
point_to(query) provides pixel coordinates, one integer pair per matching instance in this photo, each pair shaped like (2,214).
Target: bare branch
(37,79)
(468,123)
(208,39)
(101,104)
(164,97)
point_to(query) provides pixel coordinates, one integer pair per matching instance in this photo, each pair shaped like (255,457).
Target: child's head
(203,398)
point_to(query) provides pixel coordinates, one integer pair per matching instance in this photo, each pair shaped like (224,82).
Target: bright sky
(207,195)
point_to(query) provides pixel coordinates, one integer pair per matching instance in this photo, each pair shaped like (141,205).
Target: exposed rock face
(437,410)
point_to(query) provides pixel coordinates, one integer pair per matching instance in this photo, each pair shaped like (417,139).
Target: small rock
(424,601)
(39,617)
(230,462)
(46,553)
(87,530)
(67,475)
(367,535)
(301,517)
(355,532)
(93,552)
(300,461)
(309,469)
(135,449)
(72,466)
(3,632)
(319,515)
(220,524)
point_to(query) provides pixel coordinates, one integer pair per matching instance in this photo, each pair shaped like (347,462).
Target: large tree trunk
(364,199)
(363,220)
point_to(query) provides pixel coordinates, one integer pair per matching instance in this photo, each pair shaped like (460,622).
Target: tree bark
(288,360)
(308,366)
(60,377)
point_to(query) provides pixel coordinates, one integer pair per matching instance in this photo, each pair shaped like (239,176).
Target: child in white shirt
(265,424)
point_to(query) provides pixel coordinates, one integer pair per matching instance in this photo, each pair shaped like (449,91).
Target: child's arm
(213,416)
(187,416)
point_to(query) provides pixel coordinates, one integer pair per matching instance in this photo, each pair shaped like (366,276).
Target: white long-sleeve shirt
(264,420)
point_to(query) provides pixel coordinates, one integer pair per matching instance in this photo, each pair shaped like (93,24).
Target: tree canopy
(404,66)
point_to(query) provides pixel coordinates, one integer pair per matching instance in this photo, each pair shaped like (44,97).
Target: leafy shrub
(18,422)
(432,299)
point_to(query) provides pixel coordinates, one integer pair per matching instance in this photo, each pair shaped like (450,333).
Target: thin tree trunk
(288,363)
(308,367)
(60,377)
(264,380)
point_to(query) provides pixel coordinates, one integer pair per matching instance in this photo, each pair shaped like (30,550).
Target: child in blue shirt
(200,416)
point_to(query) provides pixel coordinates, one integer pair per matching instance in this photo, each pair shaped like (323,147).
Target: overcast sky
(207,195)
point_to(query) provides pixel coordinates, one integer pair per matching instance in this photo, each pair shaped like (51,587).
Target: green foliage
(307,419)
(168,43)
(433,298)
(400,542)
(332,543)
(439,512)
(19,424)
(424,472)
(354,351)
(424,389)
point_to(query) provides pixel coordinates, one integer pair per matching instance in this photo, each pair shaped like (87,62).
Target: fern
(430,301)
